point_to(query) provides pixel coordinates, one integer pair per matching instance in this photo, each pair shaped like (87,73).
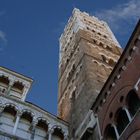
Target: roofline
(35,105)
(16,73)
(119,61)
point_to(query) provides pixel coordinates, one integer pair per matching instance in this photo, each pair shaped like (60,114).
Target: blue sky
(29,33)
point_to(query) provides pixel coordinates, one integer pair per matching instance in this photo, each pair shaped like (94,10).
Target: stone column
(33,126)
(98,127)
(25,90)
(16,122)
(10,86)
(50,132)
(1,111)
(128,114)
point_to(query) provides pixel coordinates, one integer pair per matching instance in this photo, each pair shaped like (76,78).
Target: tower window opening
(67,60)
(94,41)
(108,48)
(104,58)
(104,36)
(111,62)
(88,28)
(101,44)
(71,72)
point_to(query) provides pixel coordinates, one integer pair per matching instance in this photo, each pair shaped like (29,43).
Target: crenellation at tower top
(92,25)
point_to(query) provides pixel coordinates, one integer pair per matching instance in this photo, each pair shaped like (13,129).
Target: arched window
(27,116)
(24,125)
(133,102)
(41,130)
(4,80)
(18,87)
(10,110)
(57,134)
(109,133)
(7,118)
(121,120)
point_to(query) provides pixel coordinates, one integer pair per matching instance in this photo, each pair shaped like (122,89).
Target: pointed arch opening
(121,119)
(133,102)
(109,133)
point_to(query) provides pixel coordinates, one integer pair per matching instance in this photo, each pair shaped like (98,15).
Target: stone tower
(88,53)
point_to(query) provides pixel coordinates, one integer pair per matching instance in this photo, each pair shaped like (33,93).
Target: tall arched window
(133,102)
(24,125)
(109,133)
(121,120)
(57,134)
(7,118)
(41,130)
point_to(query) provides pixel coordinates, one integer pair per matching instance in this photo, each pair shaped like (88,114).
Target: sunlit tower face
(88,53)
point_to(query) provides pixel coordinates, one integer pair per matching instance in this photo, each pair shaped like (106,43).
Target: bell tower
(88,53)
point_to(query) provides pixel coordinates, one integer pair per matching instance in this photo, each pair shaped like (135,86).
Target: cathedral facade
(98,97)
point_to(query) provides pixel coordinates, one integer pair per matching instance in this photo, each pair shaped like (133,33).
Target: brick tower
(88,53)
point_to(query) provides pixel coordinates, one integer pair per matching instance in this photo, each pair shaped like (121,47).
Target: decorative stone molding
(21,107)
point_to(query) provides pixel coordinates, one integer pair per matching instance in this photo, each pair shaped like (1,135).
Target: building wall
(25,121)
(120,97)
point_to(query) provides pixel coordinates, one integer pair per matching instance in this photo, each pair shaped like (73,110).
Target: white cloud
(127,13)
(3,40)
(3,36)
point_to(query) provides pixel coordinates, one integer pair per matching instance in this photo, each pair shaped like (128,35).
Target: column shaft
(16,124)
(116,132)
